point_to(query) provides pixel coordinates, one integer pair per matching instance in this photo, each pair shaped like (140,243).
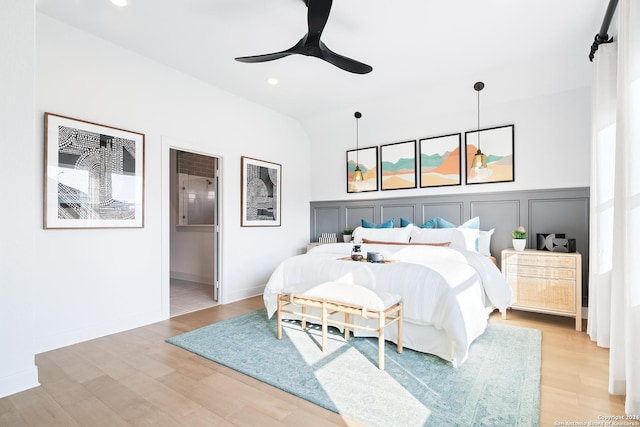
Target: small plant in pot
(519,238)
(346,234)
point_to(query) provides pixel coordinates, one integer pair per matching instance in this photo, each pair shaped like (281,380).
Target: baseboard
(239,295)
(105,327)
(19,381)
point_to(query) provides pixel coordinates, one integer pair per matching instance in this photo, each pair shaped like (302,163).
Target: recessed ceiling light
(120,3)
(272,81)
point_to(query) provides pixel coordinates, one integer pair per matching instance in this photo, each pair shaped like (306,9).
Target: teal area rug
(499,385)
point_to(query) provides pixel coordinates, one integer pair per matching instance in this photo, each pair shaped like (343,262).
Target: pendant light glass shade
(479,159)
(357,174)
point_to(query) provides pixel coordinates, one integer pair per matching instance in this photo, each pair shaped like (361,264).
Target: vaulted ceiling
(412,45)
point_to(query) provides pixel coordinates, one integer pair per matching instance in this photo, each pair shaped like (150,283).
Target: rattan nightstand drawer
(547,294)
(546,272)
(525,258)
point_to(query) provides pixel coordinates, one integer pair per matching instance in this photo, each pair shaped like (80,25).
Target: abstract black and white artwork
(261,193)
(94,175)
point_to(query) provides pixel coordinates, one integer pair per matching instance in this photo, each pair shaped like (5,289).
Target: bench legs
(385,318)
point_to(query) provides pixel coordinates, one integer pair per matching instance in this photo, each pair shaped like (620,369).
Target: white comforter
(444,288)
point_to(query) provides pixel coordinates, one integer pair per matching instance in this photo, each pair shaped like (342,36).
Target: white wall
(17,183)
(95,282)
(551,135)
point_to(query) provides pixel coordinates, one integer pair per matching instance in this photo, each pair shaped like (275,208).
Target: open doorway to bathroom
(195,229)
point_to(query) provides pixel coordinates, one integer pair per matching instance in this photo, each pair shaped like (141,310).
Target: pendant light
(479,159)
(357,173)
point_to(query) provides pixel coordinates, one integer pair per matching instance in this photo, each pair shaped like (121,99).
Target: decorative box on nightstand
(545,282)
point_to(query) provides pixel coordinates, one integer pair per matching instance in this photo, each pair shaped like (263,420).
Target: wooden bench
(332,298)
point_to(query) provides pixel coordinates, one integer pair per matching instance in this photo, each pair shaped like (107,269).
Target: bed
(448,290)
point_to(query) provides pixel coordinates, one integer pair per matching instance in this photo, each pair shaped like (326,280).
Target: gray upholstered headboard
(539,211)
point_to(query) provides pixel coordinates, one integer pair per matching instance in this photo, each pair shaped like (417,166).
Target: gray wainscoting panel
(451,211)
(397,211)
(354,215)
(540,211)
(501,215)
(324,220)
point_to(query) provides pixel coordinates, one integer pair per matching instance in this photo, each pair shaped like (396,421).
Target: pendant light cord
(357,115)
(479,121)
(357,143)
(478,86)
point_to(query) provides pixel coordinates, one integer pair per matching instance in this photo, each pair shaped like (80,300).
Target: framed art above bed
(497,144)
(398,165)
(367,160)
(440,161)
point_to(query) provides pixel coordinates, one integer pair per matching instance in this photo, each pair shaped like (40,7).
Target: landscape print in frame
(261,198)
(398,165)
(94,175)
(440,161)
(497,144)
(367,158)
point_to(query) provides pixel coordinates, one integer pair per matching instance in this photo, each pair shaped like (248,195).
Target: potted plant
(346,235)
(519,238)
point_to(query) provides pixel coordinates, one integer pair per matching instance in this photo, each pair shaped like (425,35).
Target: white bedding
(447,289)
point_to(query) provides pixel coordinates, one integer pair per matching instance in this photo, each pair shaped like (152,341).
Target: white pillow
(484,242)
(460,238)
(396,235)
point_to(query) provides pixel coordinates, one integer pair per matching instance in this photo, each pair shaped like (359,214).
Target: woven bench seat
(333,298)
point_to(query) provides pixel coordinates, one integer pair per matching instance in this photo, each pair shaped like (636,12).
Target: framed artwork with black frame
(497,144)
(261,188)
(440,160)
(398,165)
(93,175)
(367,160)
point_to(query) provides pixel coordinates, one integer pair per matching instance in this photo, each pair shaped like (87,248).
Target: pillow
(472,223)
(377,242)
(386,224)
(398,235)
(460,238)
(432,223)
(432,244)
(404,222)
(484,242)
(398,243)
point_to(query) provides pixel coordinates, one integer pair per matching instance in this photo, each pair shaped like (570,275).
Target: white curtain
(614,277)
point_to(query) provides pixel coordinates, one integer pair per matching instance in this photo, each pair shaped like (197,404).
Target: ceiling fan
(311,45)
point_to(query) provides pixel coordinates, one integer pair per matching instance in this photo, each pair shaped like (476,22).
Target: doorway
(194,267)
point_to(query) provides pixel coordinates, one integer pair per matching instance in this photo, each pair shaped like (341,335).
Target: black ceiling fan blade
(317,17)
(343,62)
(264,58)
(297,48)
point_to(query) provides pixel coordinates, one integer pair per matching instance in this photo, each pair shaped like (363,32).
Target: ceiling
(411,44)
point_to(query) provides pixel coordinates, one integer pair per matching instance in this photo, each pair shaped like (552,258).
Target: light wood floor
(134,378)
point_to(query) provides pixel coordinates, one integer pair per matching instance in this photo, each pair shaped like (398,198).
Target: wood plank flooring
(134,378)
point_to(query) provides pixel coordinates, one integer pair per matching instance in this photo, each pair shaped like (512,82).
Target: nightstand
(312,245)
(545,282)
